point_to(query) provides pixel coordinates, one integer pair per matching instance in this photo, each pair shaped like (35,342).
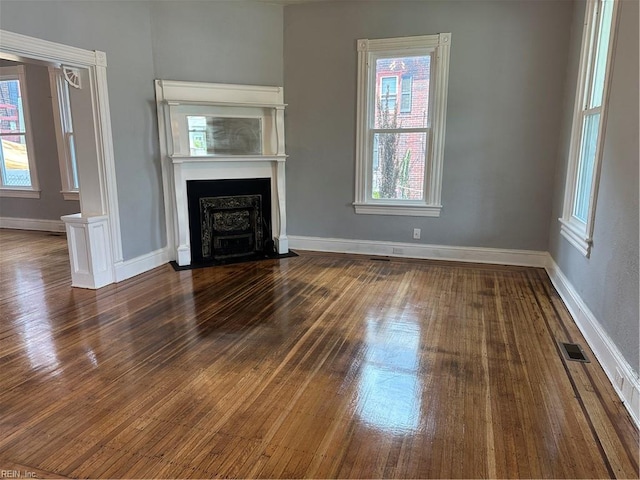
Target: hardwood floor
(318,366)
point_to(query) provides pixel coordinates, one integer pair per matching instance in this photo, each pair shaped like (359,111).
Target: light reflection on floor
(37,335)
(389,386)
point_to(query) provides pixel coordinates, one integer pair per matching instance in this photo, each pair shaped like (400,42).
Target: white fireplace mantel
(176,100)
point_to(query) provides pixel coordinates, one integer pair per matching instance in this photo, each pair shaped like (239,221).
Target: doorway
(95,241)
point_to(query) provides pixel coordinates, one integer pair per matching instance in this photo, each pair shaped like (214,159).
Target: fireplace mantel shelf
(225,104)
(227,158)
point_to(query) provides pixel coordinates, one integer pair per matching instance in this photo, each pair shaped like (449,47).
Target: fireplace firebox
(229,220)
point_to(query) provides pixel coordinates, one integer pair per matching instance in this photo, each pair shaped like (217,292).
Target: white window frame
(63,125)
(33,191)
(368,51)
(577,232)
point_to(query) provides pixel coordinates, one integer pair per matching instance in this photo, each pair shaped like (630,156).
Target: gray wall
(508,61)
(127,31)
(608,280)
(51,205)
(223,42)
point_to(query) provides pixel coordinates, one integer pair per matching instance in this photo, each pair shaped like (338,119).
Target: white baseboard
(141,264)
(32,224)
(529,258)
(621,375)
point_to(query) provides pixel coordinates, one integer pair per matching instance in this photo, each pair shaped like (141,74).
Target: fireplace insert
(229,220)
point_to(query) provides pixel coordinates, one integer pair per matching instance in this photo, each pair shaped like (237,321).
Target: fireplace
(222,136)
(229,220)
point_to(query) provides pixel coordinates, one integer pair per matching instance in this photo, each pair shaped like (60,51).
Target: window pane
(11,114)
(389,85)
(414,74)
(74,162)
(602,49)
(398,172)
(14,161)
(405,101)
(586,166)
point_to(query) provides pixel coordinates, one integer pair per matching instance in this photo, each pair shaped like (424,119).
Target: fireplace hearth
(229,220)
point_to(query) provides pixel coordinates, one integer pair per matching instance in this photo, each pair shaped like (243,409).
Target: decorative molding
(406,210)
(621,375)
(221,158)
(72,77)
(32,224)
(575,237)
(141,264)
(25,46)
(101,58)
(89,250)
(19,193)
(199,92)
(73,195)
(529,258)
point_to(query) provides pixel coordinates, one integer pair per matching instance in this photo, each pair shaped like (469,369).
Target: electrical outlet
(416,234)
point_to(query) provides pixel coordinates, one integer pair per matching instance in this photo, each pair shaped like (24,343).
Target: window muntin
(401,116)
(588,124)
(17,167)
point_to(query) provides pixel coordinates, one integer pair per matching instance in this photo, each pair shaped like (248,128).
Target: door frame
(103,201)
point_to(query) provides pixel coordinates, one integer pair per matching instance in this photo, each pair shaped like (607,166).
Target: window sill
(70,195)
(404,210)
(575,237)
(18,193)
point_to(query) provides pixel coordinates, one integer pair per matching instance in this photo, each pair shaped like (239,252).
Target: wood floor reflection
(318,366)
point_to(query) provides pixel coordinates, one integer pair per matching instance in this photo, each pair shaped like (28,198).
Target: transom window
(588,124)
(17,166)
(402,95)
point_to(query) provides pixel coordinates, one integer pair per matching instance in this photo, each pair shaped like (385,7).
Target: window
(388,93)
(17,167)
(405,99)
(64,134)
(402,96)
(589,123)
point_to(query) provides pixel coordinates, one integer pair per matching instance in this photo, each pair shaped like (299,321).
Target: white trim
(32,224)
(575,236)
(74,195)
(625,381)
(529,258)
(19,193)
(404,209)
(141,264)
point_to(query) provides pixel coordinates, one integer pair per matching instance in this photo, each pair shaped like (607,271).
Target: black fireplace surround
(229,220)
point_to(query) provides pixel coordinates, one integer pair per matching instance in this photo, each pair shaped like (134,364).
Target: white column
(89,250)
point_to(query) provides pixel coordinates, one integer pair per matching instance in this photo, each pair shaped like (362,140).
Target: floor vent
(574,352)
(379,259)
